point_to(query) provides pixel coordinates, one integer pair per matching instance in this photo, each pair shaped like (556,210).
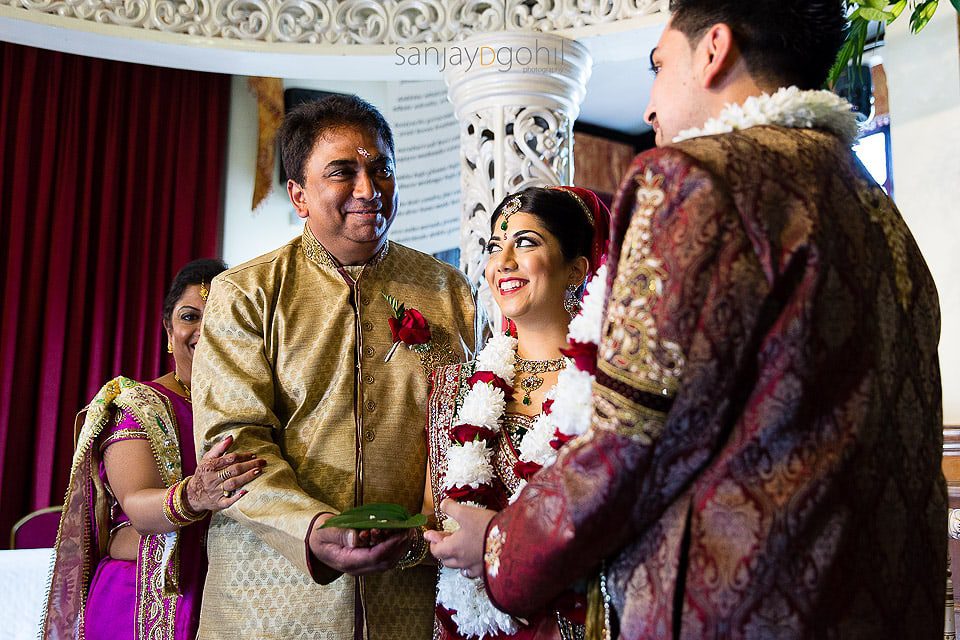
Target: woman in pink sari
(130,559)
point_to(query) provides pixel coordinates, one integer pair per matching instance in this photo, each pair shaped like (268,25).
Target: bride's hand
(462,549)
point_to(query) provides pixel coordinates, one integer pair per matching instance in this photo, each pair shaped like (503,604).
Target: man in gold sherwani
(292,364)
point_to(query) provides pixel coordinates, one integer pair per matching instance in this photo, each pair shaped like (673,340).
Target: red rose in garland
(584,355)
(490,377)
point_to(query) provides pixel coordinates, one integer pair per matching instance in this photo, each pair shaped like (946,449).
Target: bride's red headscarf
(598,214)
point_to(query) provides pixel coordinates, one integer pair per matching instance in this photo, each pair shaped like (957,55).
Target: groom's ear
(715,55)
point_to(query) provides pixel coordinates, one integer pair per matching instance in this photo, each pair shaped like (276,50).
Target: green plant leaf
(876,15)
(922,14)
(897,8)
(852,49)
(956,5)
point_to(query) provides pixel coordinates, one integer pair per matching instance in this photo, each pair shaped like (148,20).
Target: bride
(495,421)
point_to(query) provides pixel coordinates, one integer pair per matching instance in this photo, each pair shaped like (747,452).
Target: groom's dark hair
(784,42)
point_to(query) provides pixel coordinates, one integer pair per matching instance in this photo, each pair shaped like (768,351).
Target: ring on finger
(465,573)
(226,494)
(223,474)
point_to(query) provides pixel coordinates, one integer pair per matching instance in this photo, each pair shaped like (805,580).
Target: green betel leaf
(381,515)
(380,509)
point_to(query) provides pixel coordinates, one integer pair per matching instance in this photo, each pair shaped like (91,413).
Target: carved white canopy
(332,24)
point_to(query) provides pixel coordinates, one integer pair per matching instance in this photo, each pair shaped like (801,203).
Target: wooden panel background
(600,163)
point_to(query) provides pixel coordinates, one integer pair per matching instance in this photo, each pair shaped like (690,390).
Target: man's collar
(788,107)
(319,254)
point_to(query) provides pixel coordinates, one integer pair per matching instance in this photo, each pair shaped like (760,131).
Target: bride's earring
(570,300)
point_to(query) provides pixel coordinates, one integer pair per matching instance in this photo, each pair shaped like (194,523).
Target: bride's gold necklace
(535,367)
(186,389)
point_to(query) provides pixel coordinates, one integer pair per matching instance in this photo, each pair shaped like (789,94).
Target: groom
(764,459)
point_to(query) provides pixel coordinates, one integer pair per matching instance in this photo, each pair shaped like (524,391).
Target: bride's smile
(510,285)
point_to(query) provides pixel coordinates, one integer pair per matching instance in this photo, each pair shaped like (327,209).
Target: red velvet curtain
(111,179)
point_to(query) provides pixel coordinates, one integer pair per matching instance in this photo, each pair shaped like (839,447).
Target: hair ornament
(509,209)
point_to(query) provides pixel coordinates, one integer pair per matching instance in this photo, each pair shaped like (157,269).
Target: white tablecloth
(23,589)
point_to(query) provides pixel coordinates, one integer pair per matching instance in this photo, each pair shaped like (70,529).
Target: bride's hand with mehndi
(462,549)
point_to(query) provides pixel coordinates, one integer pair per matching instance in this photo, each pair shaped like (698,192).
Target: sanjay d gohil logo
(537,58)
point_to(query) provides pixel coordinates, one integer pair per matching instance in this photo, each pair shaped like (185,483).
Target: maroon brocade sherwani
(764,460)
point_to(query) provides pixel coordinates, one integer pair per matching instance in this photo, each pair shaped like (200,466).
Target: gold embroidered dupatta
(86,514)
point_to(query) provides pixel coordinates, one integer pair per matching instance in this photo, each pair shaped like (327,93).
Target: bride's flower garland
(566,414)
(788,107)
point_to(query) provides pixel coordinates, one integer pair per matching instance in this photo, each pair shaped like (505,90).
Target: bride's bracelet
(175,508)
(416,553)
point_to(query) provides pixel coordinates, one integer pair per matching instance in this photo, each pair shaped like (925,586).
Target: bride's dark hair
(560,213)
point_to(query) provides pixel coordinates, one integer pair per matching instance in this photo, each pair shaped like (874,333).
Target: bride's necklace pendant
(535,367)
(529,385)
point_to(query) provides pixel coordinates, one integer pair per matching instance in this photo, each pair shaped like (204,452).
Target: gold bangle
(416,553)
(168,506)
(181,507)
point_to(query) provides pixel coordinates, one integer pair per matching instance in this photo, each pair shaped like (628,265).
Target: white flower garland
(471,464)
(788,107)
(572,396)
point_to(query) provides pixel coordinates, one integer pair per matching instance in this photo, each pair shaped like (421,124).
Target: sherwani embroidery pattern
(895,233)
(632,351)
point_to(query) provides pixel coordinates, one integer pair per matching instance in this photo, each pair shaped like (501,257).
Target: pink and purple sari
(93,595)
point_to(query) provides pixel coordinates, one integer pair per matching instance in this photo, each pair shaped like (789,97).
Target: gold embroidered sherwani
(291,362)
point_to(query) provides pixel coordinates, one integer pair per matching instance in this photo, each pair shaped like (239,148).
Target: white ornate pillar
(516,102)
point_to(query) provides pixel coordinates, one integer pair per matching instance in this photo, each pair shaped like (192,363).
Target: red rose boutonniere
(407,326)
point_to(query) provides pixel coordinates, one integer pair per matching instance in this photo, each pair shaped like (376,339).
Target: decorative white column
(516,95)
